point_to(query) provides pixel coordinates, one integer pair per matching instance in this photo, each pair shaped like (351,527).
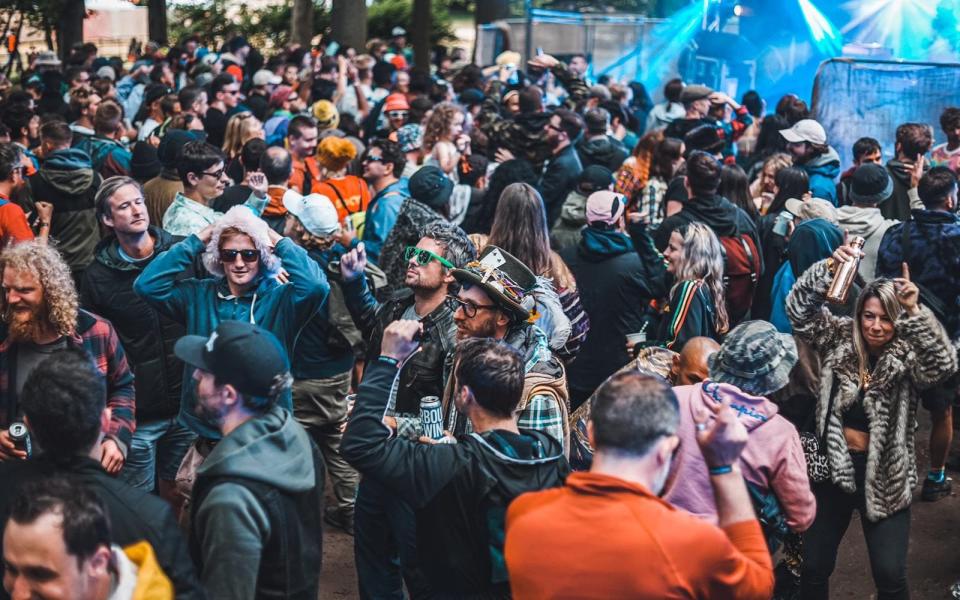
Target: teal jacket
(201,304)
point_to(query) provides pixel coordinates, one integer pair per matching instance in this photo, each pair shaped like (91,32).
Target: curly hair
(239,220)
(46,265)
(437,127)
(334,153)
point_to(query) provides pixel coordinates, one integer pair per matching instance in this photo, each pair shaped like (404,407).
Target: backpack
(741,272)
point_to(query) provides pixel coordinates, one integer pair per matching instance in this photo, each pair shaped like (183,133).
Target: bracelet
(721,470)
(43,224)
(389,360)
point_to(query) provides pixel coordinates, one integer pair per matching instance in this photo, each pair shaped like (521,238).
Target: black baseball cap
(244,355)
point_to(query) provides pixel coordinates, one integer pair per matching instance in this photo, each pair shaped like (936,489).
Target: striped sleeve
(682,327)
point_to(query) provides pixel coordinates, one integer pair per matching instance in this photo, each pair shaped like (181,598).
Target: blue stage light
(826,38)
(905,26)
(667,40)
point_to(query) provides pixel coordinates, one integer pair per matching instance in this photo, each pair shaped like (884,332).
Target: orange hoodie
(603,537)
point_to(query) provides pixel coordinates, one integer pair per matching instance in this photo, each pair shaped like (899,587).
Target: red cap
(396,102)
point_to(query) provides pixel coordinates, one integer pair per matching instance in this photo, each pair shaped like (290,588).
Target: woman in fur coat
(873,367)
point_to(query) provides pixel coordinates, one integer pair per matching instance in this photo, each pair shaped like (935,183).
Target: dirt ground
(934,562)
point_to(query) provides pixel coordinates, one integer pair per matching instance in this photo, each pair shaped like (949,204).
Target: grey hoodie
(869,224)
(231,525)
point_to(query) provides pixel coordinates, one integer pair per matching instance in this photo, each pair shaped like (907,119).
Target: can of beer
(431,418)
(20,436)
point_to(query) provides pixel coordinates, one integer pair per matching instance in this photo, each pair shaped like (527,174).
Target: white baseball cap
(806,130)
(315,211)
(265,77)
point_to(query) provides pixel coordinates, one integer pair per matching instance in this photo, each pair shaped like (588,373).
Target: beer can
(431,418)
(20,436)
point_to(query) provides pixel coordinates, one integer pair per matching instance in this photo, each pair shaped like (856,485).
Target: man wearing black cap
(255,517)
(68,182)
(869,187)
(697,100)
(429,202)
(495,300)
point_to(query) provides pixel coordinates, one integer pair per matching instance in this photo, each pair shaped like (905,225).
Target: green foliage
(384,15)
(268,27)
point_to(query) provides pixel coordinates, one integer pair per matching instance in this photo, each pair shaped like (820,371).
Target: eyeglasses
(397,114)
(424,256)
(215,174)
(469,307)
(368,159)
(247,256)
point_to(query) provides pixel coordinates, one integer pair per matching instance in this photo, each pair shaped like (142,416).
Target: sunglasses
(397,114)
(424,256)
(247,256)
(368,159)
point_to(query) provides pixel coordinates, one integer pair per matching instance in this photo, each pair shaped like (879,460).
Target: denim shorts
(157,449)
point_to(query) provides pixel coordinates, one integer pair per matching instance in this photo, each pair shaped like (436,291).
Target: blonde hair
(701,258)
(46,265)
(241,128)
(884,291)
(240,220)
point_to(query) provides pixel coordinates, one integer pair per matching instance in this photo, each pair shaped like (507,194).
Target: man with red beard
(40,315)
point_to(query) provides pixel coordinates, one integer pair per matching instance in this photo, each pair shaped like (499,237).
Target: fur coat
(919,356)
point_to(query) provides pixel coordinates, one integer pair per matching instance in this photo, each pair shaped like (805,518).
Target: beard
(29,329)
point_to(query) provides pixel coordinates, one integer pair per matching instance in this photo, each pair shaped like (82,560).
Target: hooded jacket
(67,180)
(573,217)
(772,460)
(919,357)
(201,304)
(719,214)
(823,171)
(606,151)
(257,510)
(868,223)
(616,286)
(459,492)
(560,177)
(135,515)
(898,206)
(146,335)
(108,156)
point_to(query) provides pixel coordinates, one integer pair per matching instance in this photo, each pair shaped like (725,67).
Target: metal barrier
(617,44)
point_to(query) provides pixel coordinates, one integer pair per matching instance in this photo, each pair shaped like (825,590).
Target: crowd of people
(544,337)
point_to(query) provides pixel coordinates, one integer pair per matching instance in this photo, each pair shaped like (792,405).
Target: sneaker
(934,490)
(342,520)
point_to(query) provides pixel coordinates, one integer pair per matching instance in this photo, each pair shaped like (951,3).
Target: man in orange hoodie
(629,543)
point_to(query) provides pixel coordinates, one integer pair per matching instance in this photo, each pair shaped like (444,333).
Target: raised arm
(809,317)
(158,284)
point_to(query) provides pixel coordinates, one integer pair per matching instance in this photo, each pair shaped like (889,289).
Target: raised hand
(353,263)
(907,292)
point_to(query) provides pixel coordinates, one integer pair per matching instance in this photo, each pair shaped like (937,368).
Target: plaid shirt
(99,339)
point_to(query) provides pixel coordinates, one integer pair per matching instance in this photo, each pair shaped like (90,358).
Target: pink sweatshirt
(772,459)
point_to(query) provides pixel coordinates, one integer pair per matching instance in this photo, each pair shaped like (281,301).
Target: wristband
(389,360)
(721,470)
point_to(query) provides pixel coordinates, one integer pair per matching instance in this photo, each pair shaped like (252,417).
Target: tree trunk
(157,21)
(301,22)
(348,23)
(422,22)
(70,26)
(489,11)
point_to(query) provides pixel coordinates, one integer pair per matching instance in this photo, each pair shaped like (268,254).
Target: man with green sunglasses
(428,278)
